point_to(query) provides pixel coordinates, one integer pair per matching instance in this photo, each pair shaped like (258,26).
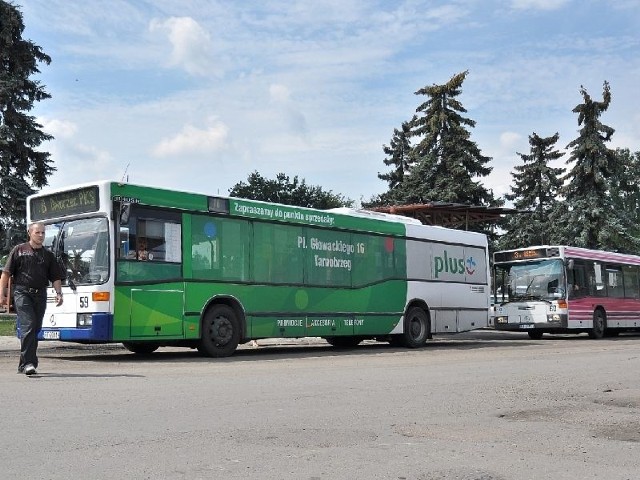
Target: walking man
(32,267)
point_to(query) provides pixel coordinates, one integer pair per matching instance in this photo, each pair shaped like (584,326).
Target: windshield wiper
(530,297)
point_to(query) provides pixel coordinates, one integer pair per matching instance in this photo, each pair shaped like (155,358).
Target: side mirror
(125,211)
(570,263)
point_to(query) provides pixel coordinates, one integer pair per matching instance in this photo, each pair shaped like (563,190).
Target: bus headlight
(502,319)
(83,320)
(554,317)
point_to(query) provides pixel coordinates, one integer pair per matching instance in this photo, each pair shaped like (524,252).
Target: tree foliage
(288,192)
(448,165)
(22,167)
(443,164)
(535,190)
(590,218)
(399,156)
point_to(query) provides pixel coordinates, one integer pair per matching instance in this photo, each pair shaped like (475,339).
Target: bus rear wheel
(220,332)
(416,328)
(599,325)
(140,348)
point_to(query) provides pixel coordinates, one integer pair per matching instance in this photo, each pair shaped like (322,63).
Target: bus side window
(577,282)
(123,242)
(597,287)
(614,281)
(630,276)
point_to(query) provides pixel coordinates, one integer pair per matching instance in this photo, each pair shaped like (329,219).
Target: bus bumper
(99,331)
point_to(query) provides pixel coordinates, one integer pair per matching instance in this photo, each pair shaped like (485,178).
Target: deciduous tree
(288,192)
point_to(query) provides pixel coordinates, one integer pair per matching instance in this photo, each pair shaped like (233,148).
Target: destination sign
(527,254)
(61,204)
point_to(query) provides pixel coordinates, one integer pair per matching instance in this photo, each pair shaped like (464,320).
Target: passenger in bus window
(143,253)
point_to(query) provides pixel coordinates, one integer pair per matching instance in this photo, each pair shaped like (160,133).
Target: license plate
(51,335)
(527,326)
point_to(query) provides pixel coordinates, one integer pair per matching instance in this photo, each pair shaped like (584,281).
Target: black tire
(220,332)
(140,348)
(416,328)
(535,334)
(343,342)
(599,325)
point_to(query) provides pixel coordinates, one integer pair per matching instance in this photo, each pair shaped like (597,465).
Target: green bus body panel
(154,311)
(151,311)
(158,197)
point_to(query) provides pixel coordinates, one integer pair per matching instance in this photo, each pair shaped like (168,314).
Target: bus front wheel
(220,332)
(416,328)
(599,325)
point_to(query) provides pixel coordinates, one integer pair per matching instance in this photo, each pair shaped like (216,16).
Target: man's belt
(29,289)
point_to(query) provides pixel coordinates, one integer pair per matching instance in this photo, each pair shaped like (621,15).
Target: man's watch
(59,293)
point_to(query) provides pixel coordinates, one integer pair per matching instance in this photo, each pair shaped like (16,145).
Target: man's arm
(57,285)
(4,285)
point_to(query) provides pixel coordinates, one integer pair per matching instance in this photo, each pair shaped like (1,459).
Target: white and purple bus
(561,289)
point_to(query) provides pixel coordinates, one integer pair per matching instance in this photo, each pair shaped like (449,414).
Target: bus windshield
(537,280)
(83,248)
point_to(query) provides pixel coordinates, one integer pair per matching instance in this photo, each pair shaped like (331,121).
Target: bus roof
(566,251)
(341,218)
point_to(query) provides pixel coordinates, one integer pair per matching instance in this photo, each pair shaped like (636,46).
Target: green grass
(7,325)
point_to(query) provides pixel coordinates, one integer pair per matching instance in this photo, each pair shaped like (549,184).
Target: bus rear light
(100,296)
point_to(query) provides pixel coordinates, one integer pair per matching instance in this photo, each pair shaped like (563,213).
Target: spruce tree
(625,190)
(399,156)
(21,165)
(535,190)
(448,165)
(591,219)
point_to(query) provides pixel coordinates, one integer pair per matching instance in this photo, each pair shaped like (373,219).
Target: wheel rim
(416,328)
(221,330)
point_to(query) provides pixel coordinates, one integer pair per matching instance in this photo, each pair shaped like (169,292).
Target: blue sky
(195,95)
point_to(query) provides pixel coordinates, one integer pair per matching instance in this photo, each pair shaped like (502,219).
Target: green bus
(151,267)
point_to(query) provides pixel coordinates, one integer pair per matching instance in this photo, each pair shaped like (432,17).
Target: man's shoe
(20,369)
(29,370)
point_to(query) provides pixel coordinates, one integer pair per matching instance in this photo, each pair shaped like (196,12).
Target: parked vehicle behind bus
(562,289)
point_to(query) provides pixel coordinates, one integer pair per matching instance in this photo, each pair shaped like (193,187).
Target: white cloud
(279,93)
(58,128)
(538,4)
(193,140)
(510,140)
(191,44)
